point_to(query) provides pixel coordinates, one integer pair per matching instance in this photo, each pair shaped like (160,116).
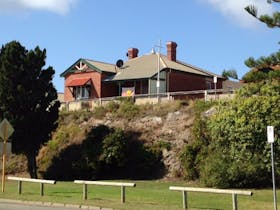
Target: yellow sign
(8,148)
(128,91)
(6,129)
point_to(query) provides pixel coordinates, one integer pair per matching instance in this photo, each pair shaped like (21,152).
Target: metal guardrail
(41,181)
(120,184)
(210,190)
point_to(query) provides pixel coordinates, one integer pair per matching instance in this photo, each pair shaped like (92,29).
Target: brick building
(88,79)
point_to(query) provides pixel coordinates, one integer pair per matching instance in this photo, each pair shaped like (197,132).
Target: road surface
(19,206)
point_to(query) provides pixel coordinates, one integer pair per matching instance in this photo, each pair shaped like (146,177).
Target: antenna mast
(158,78)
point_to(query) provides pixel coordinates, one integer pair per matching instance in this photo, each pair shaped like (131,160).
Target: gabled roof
(142,67)
(146,66)
(94,65)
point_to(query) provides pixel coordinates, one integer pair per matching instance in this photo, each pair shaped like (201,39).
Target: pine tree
(28,99)
(270,20)
(230,74)
(264,67)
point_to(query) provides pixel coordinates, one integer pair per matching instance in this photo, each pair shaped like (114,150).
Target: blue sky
(211,34)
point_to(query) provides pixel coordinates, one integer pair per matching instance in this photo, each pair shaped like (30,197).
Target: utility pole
(158,74)
(270,139)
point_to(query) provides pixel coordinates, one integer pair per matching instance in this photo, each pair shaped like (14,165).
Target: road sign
(8,148)
(6,129)
(270,134)
(270,139)
(215,79)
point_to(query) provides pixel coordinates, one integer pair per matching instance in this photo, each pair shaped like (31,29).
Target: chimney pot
(132,53)
(171,50)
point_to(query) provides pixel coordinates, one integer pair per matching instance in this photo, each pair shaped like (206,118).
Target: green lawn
(153,195)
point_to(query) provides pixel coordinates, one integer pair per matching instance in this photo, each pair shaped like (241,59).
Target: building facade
(147,74)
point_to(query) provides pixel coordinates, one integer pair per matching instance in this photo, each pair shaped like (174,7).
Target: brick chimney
(171,50)
(132,53)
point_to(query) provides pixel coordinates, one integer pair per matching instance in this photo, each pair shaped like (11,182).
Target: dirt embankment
(171,127)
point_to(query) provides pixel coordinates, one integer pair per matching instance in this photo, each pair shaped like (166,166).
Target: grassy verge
(152,195)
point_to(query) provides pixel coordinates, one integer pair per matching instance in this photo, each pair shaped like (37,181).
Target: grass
(152,195)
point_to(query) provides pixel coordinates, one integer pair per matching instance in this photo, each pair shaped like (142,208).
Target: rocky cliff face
(174,128)
(167,124)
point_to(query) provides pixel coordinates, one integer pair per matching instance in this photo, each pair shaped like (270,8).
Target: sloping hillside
(169,129)
(166,126)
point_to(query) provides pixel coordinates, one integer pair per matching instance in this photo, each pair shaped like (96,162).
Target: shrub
(105,153)
(127,109)
(99,112)
(114,147)
(231,149)
(160,145)
(197,150)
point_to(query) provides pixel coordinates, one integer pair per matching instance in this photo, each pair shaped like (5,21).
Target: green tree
(28,99)
(264,67)
(232,150)
(230,73)
(270,20)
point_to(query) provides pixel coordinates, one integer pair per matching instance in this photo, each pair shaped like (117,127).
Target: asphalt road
(18,206)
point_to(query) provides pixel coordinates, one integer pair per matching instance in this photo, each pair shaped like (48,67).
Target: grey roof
(142,67)
(232,85)
(146,66)
(95,65)
(104,67)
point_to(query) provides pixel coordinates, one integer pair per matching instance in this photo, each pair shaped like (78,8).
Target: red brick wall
(109,89)
(96,84)
(220,83)
(180,81)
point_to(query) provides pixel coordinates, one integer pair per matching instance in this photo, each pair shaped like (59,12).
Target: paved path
(18,206)
(6,204)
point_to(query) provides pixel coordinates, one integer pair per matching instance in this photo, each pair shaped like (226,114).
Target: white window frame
(82,92)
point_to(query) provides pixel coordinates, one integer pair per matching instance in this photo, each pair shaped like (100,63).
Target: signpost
(6,130)
(215,79)
(270,139)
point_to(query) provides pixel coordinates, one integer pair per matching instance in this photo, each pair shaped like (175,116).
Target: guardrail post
(234,201)
(41,189)
(185,202)
(85,191)
(123,194)
(19,187)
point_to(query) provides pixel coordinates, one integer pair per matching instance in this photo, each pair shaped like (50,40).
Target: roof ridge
(87,59)
(136,58)
(164,63)
(198,68)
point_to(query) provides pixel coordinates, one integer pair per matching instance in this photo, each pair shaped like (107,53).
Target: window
(82,92)
(209,85)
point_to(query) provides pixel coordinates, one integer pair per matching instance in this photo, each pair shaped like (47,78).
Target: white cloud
(234,10)
(57,6)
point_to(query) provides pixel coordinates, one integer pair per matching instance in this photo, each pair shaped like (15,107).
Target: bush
(231,149)
(196,150)
(105,153)
(127,109)
(99,112)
